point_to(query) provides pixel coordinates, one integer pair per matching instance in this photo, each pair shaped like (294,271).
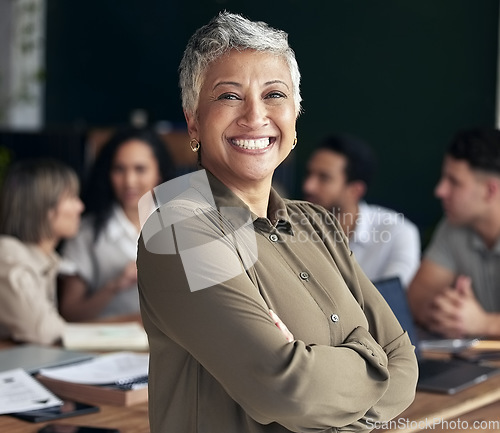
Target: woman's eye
(228,96)
(274,95)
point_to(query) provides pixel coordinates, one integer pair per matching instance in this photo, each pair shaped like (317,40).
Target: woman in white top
(39,206)
(104,282)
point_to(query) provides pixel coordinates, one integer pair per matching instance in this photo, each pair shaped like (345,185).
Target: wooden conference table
(475,409)
(130,419)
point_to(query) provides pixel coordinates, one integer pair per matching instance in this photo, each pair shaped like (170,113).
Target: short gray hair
(225,32)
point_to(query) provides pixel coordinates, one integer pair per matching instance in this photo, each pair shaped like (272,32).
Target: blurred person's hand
(127,278)
(456,313)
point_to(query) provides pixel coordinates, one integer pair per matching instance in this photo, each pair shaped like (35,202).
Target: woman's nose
(130,178)
(254,113)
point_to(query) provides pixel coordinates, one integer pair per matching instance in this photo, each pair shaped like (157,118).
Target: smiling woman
(104,251)
(259,318)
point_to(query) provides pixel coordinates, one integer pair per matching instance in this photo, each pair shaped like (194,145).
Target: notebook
(105,336)
(446,376)
(33,357)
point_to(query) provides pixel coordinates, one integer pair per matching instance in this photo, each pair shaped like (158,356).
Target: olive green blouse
(209,271)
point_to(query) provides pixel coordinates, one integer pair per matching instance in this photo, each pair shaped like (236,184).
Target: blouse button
(334,318)
(304,275)
(273,237)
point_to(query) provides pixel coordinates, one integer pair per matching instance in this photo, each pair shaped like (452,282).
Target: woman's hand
(127,278)
(282,327)
(76,304)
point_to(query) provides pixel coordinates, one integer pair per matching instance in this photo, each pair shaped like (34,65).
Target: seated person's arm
(430,280)
(459,313)
(75,302)
(26,311)
(448,307)
(490,326)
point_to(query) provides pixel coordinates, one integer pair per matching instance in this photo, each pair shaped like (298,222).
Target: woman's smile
(252,144)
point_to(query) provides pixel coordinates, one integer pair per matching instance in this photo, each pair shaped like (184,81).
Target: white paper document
(118,367)
(20,392)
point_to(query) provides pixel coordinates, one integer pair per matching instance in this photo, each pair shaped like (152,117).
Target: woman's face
(246,117)
(134,171)
(65,217)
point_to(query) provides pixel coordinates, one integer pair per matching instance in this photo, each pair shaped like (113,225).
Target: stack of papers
(114,368)
(105,337)
(20,392)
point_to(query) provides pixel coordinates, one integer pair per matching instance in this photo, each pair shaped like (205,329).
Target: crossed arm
(370,375)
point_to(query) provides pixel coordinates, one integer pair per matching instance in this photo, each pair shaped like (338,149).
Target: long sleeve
(228,330)
(26,309)
(402,365)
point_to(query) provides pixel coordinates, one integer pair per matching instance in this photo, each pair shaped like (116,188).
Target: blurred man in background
(385,243)
(456,291)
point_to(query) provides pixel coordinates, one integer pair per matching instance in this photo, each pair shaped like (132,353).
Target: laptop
(33,357)
(445,376)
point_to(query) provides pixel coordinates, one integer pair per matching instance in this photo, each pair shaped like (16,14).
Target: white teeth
(252,144)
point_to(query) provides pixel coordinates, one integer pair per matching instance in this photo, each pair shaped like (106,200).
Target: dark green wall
(402,74)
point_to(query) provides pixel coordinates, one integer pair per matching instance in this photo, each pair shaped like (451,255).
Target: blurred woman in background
(104,282)
(39,206)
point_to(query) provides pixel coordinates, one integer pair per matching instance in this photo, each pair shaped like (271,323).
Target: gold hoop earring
(294,143)
(194,144)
